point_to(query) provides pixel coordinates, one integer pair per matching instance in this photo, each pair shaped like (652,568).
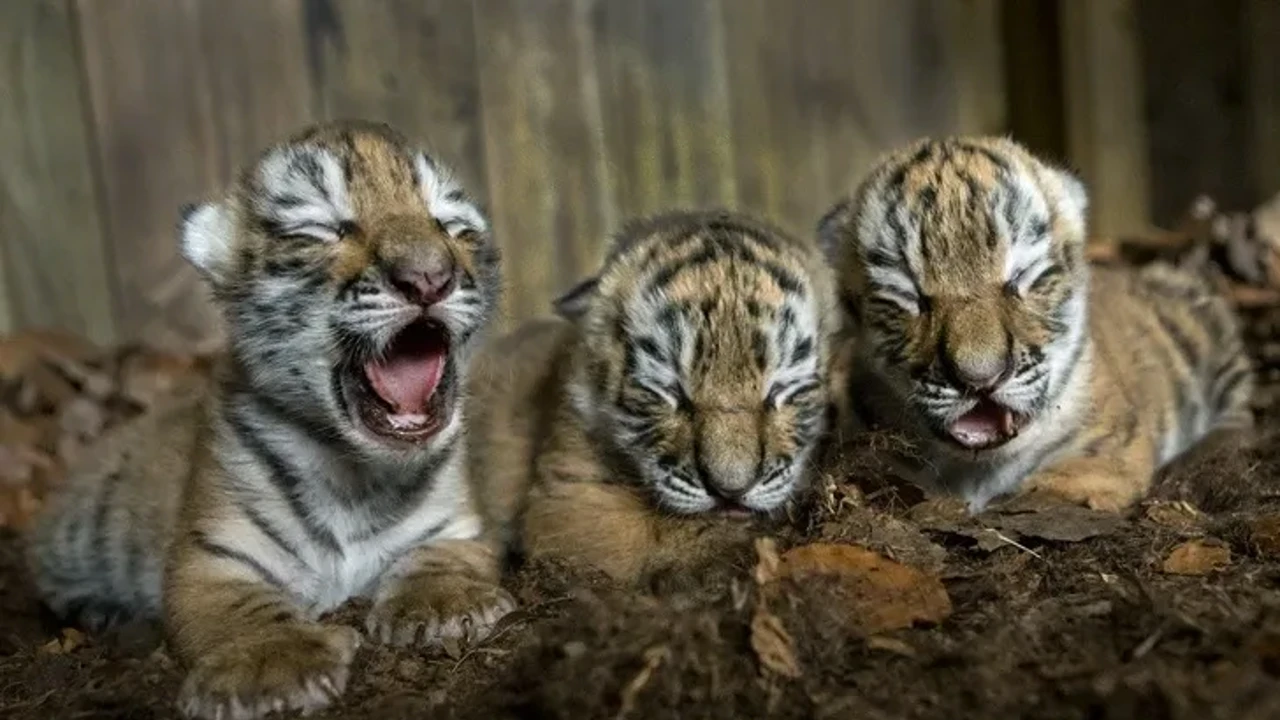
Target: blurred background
(568,116)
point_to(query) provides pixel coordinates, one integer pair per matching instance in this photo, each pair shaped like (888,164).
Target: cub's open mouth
(404,394)
(989,424)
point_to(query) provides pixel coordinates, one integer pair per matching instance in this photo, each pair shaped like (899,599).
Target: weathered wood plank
(182,92)
(50,227)
(543,145)
(974,55)
(820,89)
(1106,132)
(1032,36)
(410,63)
(664,103)
(1196,104)
(1262,25)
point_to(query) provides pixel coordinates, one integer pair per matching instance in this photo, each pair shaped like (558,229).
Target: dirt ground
(1031,610)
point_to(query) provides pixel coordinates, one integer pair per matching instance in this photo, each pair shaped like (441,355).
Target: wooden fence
(564,116)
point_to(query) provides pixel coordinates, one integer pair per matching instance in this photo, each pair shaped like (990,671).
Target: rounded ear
(831,229)
(1074,192)
(205,235)
(574,304)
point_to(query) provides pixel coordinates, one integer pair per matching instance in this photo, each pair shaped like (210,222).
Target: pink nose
(426,283)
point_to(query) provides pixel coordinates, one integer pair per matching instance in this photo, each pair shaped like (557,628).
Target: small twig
(1149,644)
(1005,538)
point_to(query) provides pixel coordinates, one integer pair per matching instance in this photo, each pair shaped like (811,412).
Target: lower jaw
(359,406)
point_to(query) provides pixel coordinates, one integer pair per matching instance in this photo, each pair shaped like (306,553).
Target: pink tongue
(406,381)
(982,425)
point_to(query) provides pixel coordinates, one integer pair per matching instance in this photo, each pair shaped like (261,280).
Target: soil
(1039,611)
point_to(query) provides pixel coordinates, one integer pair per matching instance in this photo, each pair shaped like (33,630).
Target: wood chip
(1197,557)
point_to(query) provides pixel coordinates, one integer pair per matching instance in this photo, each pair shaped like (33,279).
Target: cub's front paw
(427,610)
(1097,488)
(287,667)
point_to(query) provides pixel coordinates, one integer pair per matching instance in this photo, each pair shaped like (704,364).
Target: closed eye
(909,302)
(323,233)
(1032,277)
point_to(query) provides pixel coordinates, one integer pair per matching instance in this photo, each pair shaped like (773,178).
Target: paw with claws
(300,666)
(427,611)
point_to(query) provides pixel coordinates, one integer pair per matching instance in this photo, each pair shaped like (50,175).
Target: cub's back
(1166,340)
(112,523)
(514,391)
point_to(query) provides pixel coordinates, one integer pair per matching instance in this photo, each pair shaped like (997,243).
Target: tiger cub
(978,330)
(328,460)
(680,394)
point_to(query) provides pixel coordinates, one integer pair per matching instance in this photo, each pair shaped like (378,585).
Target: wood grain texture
(409,63)
(1106,135)
(1197,115)
(1262,27)
(973,53)
(543,146)
(55,272)
(820,89)
(182,92)
(664,104)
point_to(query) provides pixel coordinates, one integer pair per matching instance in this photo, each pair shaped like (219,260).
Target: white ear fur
(1074,193)
(205,237)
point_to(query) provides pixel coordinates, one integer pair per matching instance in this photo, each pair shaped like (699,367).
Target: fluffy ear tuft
(1073,192)
(574,304)
(205,236)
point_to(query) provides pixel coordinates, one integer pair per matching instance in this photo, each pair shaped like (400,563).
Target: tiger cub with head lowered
(354,276)
(979,331)
(684,395)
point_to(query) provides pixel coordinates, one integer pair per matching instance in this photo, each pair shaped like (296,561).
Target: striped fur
(239,515)
(689,381)
(961,270)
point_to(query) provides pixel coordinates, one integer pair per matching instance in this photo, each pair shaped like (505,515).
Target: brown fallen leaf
(1197,557)
(21,350)
(773,644)
(1042,516)
(69,640)
(883,594)
(1264,533)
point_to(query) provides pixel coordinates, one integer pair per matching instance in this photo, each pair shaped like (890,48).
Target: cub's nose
(980,372)
(425,277)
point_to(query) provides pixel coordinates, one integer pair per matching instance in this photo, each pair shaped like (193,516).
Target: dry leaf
(1041,515)
(21,350)
(68,642)
(773,644)
(883,594)
(1197,557)
(1265,534)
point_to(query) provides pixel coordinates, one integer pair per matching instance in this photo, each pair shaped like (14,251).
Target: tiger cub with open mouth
(327,462)
(682,393)
(978,331)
